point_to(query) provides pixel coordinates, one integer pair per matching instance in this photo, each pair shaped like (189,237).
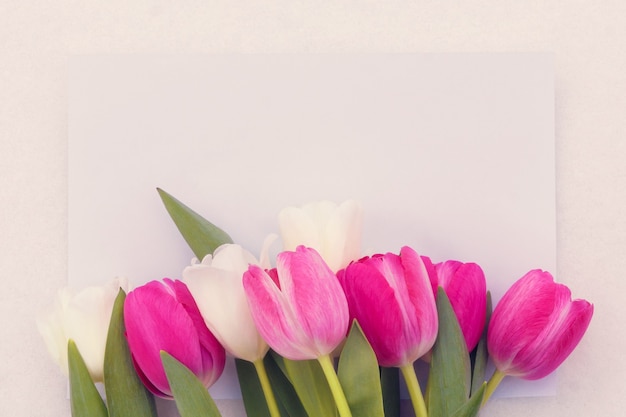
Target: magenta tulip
(302,313)
(465,286)
(535,326)
(164,316)
(391,298)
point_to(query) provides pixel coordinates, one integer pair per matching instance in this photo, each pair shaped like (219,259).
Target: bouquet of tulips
(325,332)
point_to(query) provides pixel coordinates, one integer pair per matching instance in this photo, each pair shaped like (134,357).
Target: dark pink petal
(374,304)
(466,287)
(212,353)
(155,321)
(536,326)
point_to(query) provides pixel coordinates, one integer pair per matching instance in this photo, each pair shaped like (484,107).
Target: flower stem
(335,387)
(415,392)
(267,389)
(493,383)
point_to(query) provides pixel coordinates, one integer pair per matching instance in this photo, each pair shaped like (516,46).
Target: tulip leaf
(480,354)
(450,373)
(84,396)
(359,375)
(126,394)
(310,384)
(390,383)
(286,395)
(251,391)
(473,405)
(202,236)
(191,396)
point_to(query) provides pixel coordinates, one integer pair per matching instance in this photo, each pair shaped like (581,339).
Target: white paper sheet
(452,154)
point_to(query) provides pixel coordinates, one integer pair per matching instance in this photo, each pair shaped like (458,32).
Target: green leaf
(309,382)
(251,391)
(192,398)
(480,353)
(202,236)
(390,382)
(472,407)
(84,396)
(449,378)
(126,394)
(359,375)
(288,401)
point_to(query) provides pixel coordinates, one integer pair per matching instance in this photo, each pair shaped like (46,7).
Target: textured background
(588,40)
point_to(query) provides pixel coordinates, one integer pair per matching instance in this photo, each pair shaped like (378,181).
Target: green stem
(415,392)
(335,387)
(493,383)
(267,389)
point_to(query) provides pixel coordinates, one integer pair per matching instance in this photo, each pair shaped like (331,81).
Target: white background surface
(451,154)
(586,37)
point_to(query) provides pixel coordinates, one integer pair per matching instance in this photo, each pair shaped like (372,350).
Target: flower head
(83,317)
(164,316)
(391,298)
(334,231)
(217,286)
(299,308)
(535,326)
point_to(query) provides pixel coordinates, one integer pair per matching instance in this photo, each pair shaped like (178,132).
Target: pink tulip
(465,286)
(535,326)
(302,313)
(164,316)
(391,298)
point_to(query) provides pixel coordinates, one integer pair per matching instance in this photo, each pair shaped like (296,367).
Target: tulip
(217,286)
(465,286)
(83,317)
(334,231)
(301,311)
(304,314)
(391,298)
(534,328)
(164,316)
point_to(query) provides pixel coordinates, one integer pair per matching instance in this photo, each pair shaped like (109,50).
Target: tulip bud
(391,298)
(164,316)
(304,314)
(217,286)
(535,326)
(466,288)
(83,317)
(334,231)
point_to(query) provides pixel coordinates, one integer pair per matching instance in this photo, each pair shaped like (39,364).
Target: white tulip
(216,285)
(333,230)
(83,317)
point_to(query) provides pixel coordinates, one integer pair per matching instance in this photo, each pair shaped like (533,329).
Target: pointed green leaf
(359,375)
(126,394)
(310,384)
(472,407)
(449,378)
(480,353)
(192,398)
(202,236)
(288,401)
(84,396)
(251,391)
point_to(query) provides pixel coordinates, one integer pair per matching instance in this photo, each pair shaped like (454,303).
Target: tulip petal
(536,326)
(220,297)
(273,316)
(155,321)
(316,297)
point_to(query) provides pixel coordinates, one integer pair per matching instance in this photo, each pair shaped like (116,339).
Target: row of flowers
(233,303)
